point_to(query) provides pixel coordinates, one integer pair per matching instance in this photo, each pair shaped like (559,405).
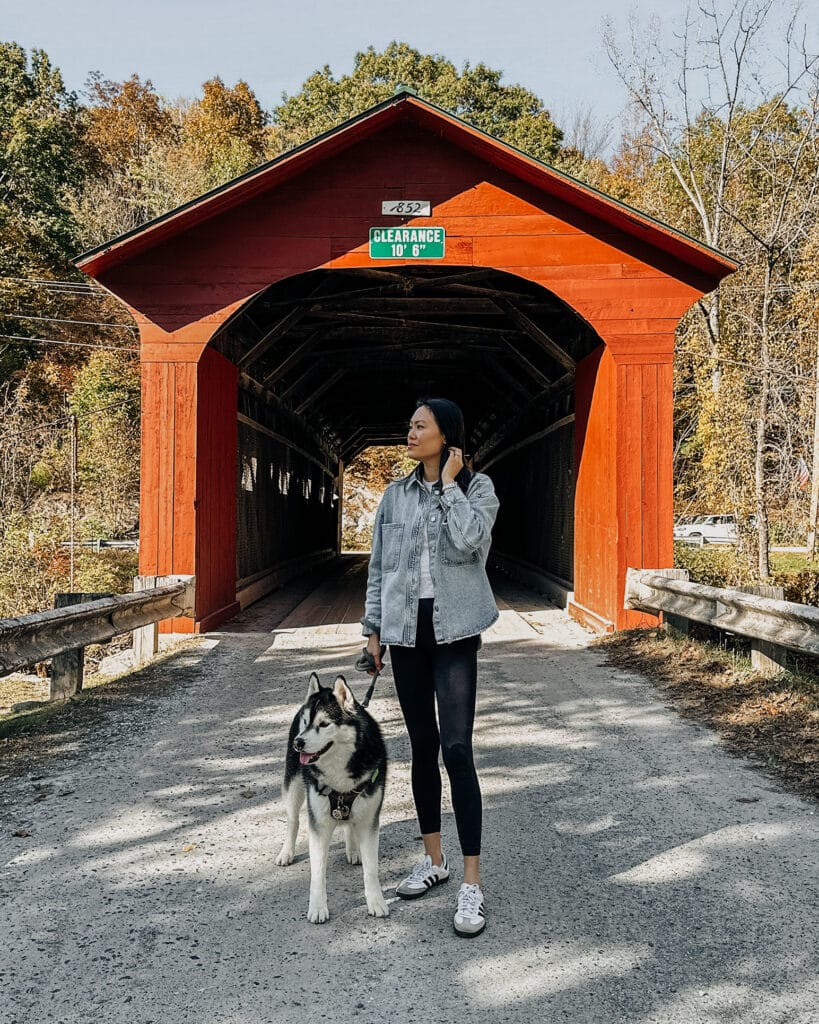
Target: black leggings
(450,673)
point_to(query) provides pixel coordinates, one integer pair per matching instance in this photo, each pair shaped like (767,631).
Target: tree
(364,481)
(40,158)
(224,133)
(150,156)
(39,147)
(105,399)
(719,56)
(124,120)
(124,123)
(474,94)
(741,175)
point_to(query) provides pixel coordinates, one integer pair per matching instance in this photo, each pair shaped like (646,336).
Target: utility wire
(84,415)
(67,344)
(53,282)
(57,320)
(70,289)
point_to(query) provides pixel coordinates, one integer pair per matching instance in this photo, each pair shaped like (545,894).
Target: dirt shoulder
(37,735)
(774,721)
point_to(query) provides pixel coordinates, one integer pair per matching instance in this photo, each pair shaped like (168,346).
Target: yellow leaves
(223,133)
(126,120)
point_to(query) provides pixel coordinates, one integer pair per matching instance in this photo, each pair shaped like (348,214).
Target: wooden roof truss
(349,350)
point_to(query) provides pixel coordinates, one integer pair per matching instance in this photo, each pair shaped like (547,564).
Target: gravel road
(634,872)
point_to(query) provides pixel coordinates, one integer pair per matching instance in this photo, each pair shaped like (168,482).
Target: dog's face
(325,720)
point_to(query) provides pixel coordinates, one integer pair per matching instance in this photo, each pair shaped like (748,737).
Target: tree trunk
(714,335)
(761,432)
(814,479)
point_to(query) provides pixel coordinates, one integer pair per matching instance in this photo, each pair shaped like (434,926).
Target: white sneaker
(470,917)
(422,878)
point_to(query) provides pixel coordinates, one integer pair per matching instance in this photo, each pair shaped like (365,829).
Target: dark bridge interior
(332,361)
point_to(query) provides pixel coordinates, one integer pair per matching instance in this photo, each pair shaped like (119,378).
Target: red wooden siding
(624,502)
(595,508)
(630,280)
(167,540)
(216,490)
(188,489)
(323,219)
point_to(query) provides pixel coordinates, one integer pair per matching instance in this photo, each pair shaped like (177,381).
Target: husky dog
(336,756)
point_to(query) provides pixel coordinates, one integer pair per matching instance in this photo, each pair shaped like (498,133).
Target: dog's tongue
(304,757)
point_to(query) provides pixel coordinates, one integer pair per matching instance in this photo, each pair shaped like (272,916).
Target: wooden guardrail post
(766,658)
(675,625)
(146,638)
(67,668)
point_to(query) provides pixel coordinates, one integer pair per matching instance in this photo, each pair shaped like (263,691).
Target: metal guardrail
(774,626)
(103,545)
(26,639)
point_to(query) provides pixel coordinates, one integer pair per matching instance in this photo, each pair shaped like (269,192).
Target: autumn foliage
(740,173)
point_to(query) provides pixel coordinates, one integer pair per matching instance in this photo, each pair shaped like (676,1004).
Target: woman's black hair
(450,422)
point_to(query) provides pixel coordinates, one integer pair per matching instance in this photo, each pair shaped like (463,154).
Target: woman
(429,598)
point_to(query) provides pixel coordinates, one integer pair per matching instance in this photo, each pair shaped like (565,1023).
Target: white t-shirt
(426,586)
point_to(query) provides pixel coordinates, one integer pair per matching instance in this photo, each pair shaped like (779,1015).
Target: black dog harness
(341,804)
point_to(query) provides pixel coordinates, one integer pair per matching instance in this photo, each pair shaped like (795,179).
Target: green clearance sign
(425,243)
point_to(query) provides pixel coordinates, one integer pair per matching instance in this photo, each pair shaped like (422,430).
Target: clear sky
(553,48)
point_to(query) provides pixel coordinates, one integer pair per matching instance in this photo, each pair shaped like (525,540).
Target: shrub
(712,566)
(106,572)
(801,586)
(725,567)
(35,565)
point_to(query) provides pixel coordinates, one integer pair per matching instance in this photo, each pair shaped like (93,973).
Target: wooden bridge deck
(331,598)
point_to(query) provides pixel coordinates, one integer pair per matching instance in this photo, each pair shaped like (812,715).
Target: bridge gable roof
(406,106)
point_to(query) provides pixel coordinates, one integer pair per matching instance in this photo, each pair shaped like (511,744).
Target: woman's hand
(374,648)
(452,467)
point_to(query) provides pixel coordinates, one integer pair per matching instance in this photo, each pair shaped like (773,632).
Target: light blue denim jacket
(460,534)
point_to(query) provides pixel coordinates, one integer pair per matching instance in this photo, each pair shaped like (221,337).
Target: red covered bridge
(279,338)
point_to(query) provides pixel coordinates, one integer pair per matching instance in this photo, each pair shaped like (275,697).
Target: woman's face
(424,439)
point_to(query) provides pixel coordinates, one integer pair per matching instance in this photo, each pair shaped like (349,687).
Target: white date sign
(406,208)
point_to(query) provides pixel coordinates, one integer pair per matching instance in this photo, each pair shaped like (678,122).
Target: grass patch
(789,561)
(776,721)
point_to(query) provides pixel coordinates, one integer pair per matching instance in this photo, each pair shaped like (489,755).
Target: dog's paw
(377,907)
(317,913)
(353,853)
(285,856)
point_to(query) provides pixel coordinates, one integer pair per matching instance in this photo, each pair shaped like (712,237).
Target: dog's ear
(344,695)
(314,685)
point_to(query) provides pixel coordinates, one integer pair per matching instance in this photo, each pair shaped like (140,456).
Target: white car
(715,529)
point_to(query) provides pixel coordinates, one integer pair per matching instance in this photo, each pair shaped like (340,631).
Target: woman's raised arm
(471,516)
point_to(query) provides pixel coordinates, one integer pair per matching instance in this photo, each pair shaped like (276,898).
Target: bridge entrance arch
(349,351)
(280,333)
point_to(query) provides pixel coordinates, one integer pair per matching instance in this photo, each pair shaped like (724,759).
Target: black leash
(366,663)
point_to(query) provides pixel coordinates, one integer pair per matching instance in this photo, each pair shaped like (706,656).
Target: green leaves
(40,125)
(474,94)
